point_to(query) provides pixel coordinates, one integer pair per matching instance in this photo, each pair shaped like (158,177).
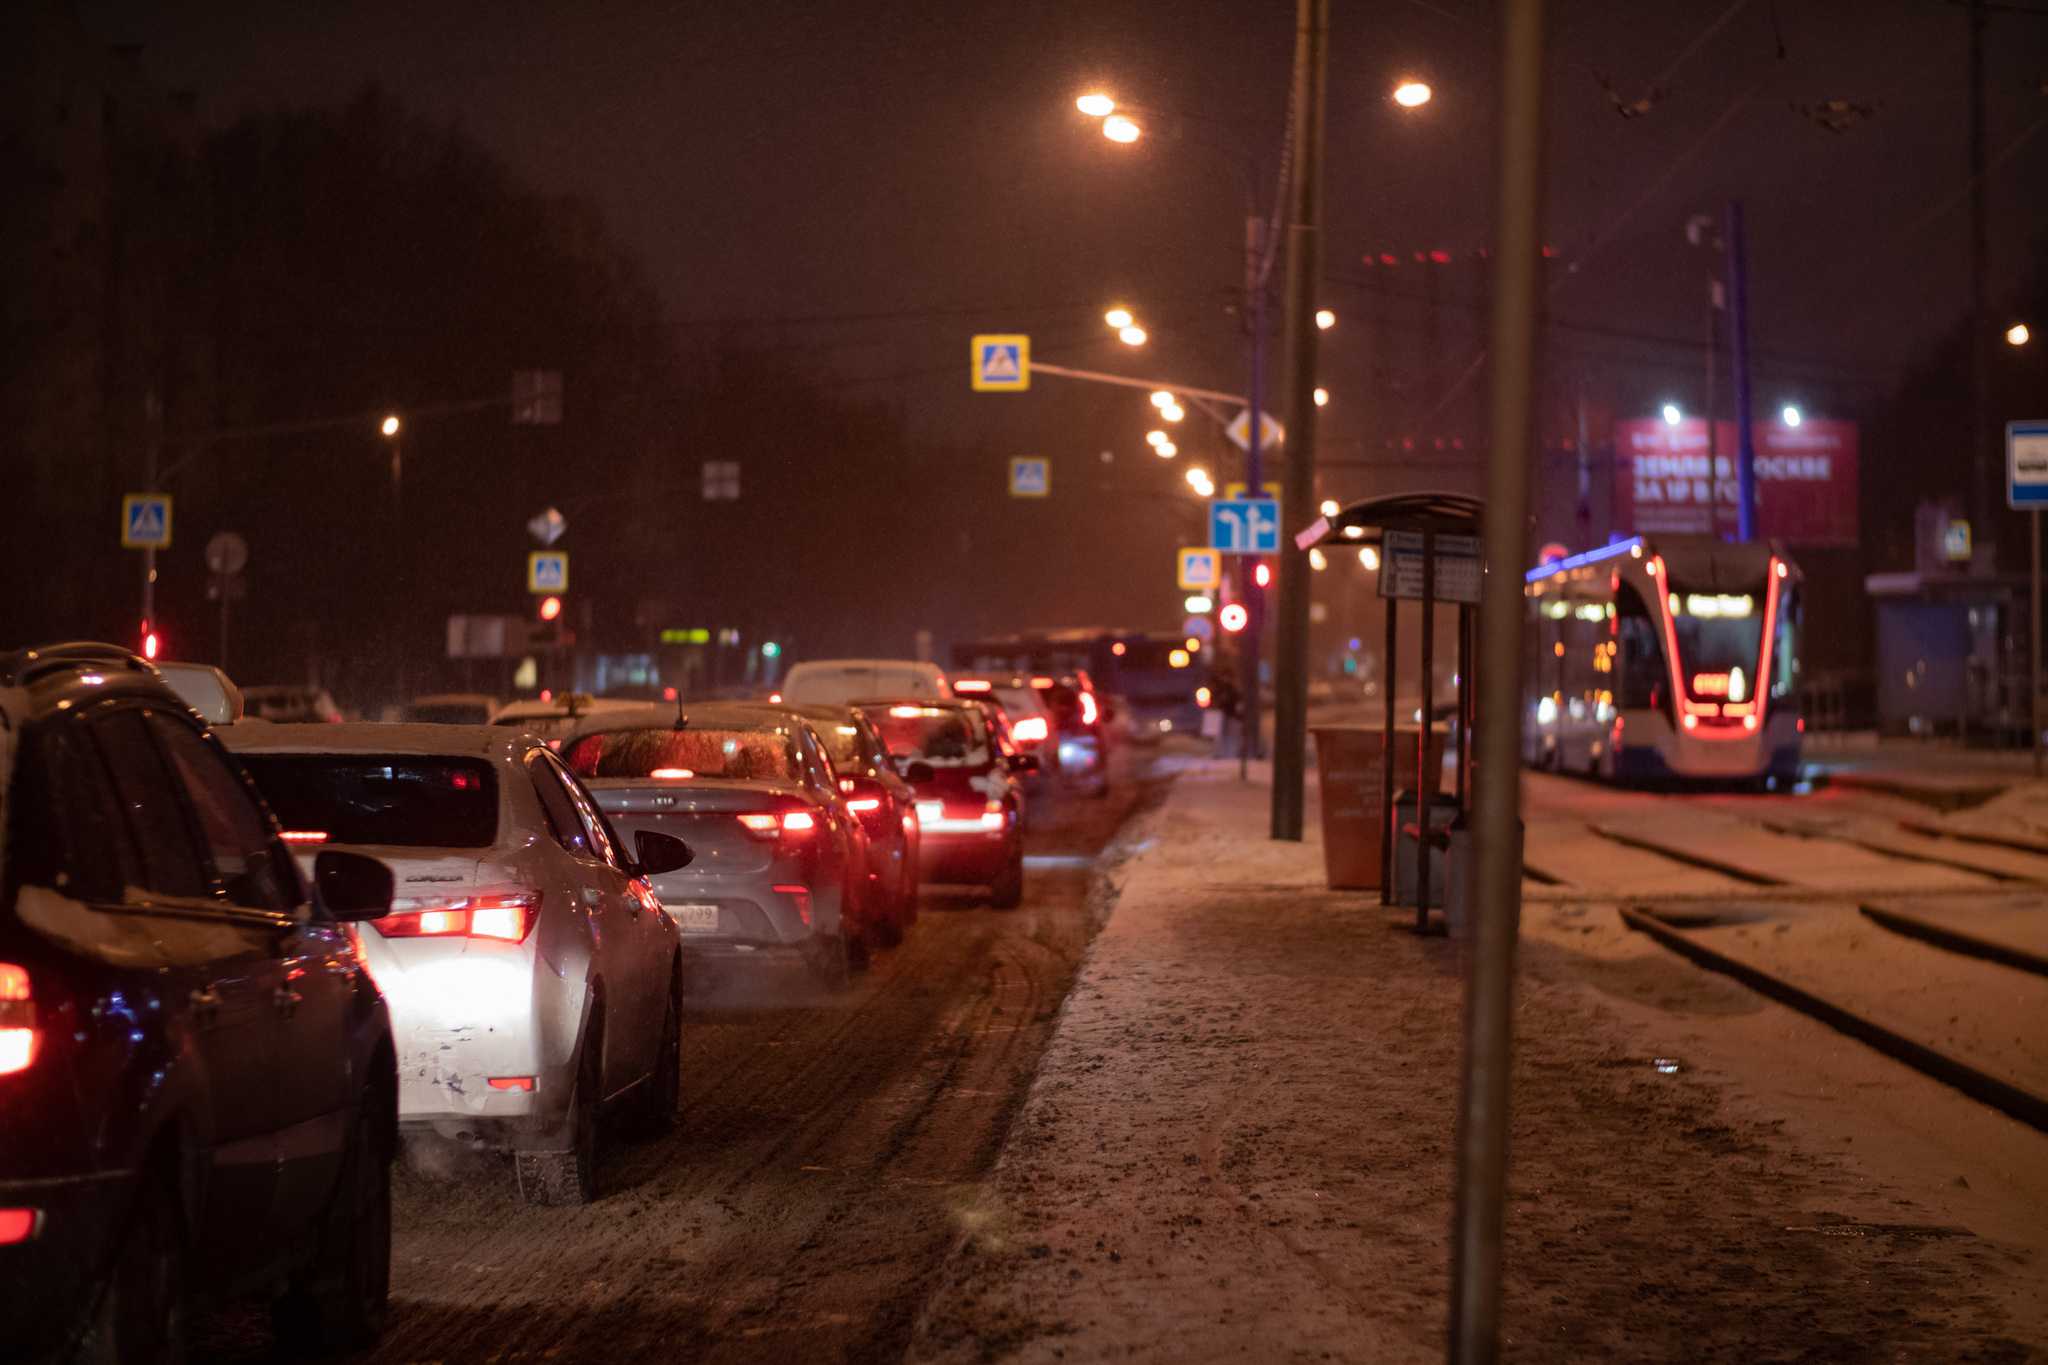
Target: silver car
(533,980)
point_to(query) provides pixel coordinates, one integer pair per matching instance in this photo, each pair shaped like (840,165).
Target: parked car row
(238,961)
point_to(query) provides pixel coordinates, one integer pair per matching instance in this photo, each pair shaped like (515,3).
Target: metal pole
(1424,788)
(1980,320)
(1393,606)
(1298,492)
(1254,486)
(1482,1137)
(152,415)
(2034,648)
(1738,348)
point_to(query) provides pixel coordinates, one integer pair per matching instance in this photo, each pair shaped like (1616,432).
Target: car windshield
(843,744)
(939,735)
(408,800)
(738,755)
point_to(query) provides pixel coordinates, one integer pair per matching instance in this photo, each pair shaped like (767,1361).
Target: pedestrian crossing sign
(547,571)
(146,521)
(1002,364)
(1030,478)
(1200,570)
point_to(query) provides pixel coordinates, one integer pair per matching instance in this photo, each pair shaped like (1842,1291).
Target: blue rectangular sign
(1244,526)
(2026,465)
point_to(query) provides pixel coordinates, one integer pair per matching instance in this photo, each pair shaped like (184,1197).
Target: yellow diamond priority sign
(1002,363)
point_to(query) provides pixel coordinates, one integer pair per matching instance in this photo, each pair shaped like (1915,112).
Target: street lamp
(1326,319)
(1322,398)
(1119,317)
(1792,415)
(1117,128)
(1409,94)
(390,427)
(1131,336)
(2017,334)
(1672,416)
(1096,106)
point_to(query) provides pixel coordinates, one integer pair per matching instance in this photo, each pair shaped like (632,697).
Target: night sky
(878,180)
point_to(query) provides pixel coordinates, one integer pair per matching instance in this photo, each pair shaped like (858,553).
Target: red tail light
(866,803)
(18,1033)
(509,1082)
(972,685)
(771,824)
(802,896)
(304,836)
(1030,730)
(18,1225)
(1088,712)
(508,919)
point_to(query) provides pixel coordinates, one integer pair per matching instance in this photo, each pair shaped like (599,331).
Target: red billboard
(1665,479)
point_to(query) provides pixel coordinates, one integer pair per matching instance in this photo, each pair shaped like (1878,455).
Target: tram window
(1784,649)
(1644,678)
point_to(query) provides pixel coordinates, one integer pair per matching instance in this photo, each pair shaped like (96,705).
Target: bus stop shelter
(1429,552)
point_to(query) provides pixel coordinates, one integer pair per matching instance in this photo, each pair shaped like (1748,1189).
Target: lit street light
(391,425)
(1166,450)
(1132,336)
(1322,398)
(1118,317)
(1409,94)
(1792,416)
(1672,416)
(1162,399)
(1330,508)
(1317,561)
(1096,106)
(2017,334)
(1326,319)
(1117,128)
(1155,438)
(1369,557)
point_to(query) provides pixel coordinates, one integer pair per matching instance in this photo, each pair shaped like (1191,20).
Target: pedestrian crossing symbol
(547,571)
(146,521)
(1030,478)
(1002,364)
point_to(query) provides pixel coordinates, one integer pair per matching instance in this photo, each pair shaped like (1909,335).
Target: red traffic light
(550,608)
(1234,617)
(150,644)
(1262,574)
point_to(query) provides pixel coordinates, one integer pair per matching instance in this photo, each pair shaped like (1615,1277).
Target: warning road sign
(1030,478)
(146,521)
(1002,363)
(547,571)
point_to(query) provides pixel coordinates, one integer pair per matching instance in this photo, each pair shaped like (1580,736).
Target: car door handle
(285,1001)
(592,897)
(205,1007)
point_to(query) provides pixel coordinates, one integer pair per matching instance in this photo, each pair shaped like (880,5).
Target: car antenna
(682,721)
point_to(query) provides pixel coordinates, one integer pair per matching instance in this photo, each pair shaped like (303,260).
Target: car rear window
(408,800)
(940,735)
(737,755)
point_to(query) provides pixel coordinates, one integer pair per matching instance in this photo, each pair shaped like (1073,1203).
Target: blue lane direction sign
(146,521)
(1030,478)
(547,571)
(2026,465)
(1002,363)
(1244,526)
(1200,570)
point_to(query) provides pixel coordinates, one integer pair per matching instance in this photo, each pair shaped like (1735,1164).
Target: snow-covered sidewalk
(1238,1147)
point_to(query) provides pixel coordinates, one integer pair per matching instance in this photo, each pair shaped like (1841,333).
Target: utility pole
(1482,1134)
(1980,305)
(1298,491)
(1248,591)
(1738,352)
(152,420)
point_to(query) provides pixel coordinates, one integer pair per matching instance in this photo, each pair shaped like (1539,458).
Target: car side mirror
(659,853)
(1023,763)
(351,886)
(918,773)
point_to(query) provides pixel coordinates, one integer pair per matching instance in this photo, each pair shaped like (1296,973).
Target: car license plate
(929,811)
(694,919)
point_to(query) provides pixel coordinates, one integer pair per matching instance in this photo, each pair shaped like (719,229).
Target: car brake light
(18,1225)
(798,821)
(304,836)
(906,712)
(802,896)
(507,918)
(509,1082)
(846,784)
(1041,683)
(971,684)
(1030,730)
(1088,708)
(759,824)
(18,1035)
(671,772)
(992,815)
(865,803)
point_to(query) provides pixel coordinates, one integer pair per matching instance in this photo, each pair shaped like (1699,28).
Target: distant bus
(1666,658)
(1134,666)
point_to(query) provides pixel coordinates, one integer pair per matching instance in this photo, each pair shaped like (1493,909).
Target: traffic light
(1233,618)
(150,643)
(550,608)
(1262,574)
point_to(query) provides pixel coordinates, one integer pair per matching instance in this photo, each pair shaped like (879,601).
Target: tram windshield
(1720,642)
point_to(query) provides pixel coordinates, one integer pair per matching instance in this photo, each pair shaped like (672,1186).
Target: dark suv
(197,1085)
(968,810)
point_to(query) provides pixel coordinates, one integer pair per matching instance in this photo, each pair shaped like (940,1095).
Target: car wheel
(1007,891)
(569,1176)
(664,1087)
(339,1302)
(142,1313)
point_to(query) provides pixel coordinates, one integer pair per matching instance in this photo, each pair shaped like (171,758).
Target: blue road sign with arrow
(1244,526)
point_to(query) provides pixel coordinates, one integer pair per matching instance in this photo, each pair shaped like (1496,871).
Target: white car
(837,682)
(534,983)
(558,716)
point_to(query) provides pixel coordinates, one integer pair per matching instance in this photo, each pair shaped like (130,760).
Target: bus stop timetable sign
(2026,465)
(1457,567)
